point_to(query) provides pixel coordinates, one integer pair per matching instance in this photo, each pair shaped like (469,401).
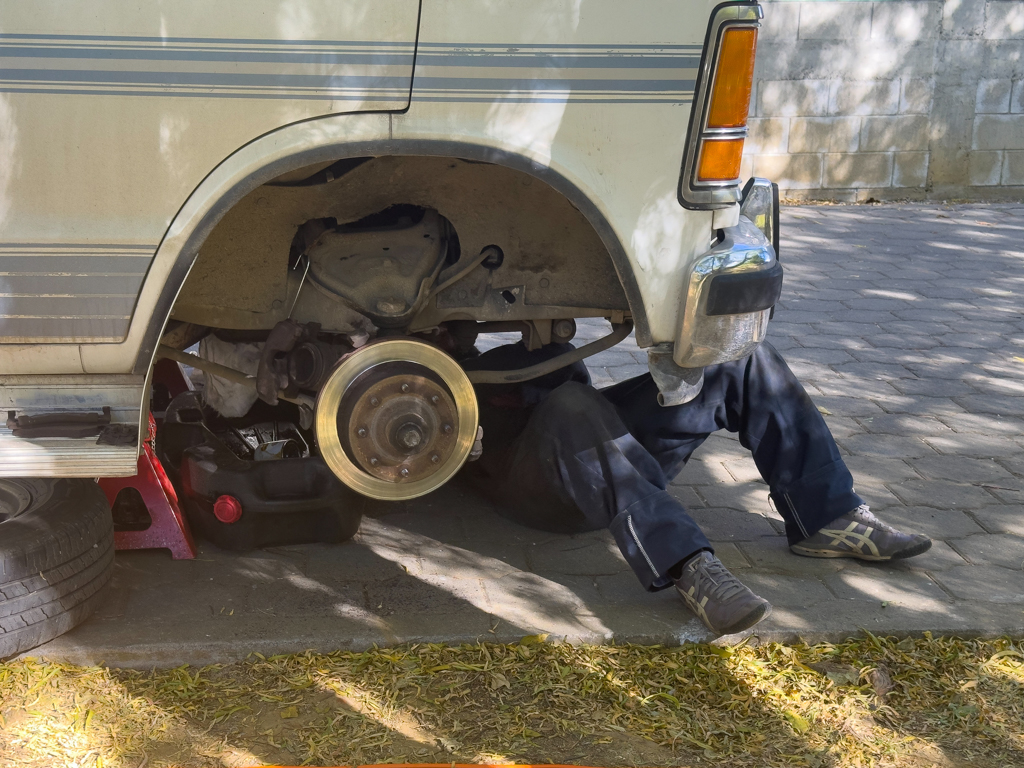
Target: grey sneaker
(718,598)
(861,535)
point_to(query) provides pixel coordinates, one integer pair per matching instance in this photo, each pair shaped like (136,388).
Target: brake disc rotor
(396,419)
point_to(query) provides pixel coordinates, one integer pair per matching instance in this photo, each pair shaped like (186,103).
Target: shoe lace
(723,585)
(864,515)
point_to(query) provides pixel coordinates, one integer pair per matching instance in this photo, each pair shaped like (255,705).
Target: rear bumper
(733,287)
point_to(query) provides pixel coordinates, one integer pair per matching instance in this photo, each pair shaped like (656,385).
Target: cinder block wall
(893,99)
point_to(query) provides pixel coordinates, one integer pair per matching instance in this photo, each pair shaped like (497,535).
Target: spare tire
(56,554)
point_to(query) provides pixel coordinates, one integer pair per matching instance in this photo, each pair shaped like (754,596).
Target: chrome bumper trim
(706,340)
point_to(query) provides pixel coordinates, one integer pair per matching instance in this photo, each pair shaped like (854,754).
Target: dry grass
(865,702)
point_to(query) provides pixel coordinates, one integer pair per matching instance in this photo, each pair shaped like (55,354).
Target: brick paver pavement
(906,325)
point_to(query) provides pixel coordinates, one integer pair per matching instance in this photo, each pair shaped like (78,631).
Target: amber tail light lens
(720,160)
(721,103)
(730,97)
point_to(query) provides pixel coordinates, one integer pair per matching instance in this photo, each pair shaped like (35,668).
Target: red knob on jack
(227,509)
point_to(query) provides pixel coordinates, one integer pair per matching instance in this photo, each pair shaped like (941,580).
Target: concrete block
(885,134)
(789,98)
(771,554)
(963,20)
(910,169)
(906,20)
(835,21)
(1017,98)
(730,555)
(404,596)
(746,164)
(1013,166)
(985,583)
(993,96)
(858,170)
(984,169)
(824,134)
(891,446)
(767,135)
(1003,20)
(801,171)
(1004,549)
(939,558)
(903,589)
(577,555)
(787,591)
(916,96)
(998,132)
(781,21)
(941,494)
(728,525)
(937,523)
(1001,519)
(873,97)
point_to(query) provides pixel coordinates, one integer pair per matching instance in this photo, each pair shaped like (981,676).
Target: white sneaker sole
(913,551)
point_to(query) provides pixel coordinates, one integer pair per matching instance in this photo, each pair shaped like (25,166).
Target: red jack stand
(168,529)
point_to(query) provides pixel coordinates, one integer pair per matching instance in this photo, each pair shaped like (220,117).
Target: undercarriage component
(619,332)
(305,402)
(272,375)
(385,271)
(294,359)
(396,419)
(536,333)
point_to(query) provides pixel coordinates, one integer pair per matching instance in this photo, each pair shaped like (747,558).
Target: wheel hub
(396,419)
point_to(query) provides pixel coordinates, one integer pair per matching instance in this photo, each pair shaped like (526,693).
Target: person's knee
(572,397)
(578,409)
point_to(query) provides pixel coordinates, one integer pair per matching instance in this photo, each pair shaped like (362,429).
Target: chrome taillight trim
(704,195)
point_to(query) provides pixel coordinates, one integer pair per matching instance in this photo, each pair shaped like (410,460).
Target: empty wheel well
(552,262)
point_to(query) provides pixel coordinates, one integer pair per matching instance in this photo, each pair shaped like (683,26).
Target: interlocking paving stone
(577,555)
(787,591)
(1001,519)
(893,446)
(971,444)
(1006,550)
(912,590)
(936,523)
(942,494)
(909,347)
(904,424)
(977,470)
(771,554)
(989,583)
(940,557)
(726,525)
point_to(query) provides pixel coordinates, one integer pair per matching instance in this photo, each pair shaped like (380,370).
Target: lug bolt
(361,432)
(435,399)
(374,402)
(447,428)
(404,472)
(373,461)
(435,458)
(405,388)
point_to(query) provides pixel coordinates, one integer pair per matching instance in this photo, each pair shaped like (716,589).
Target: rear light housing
(721,103)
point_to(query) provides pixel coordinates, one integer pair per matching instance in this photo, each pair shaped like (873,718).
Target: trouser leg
(576,467)
(759,398)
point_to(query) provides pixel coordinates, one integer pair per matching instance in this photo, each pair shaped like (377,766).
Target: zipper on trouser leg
(632,532)
(792,510)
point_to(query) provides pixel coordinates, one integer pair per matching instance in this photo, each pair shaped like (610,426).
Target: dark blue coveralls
(562,456)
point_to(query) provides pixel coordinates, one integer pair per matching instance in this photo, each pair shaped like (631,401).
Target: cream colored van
(315,201)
